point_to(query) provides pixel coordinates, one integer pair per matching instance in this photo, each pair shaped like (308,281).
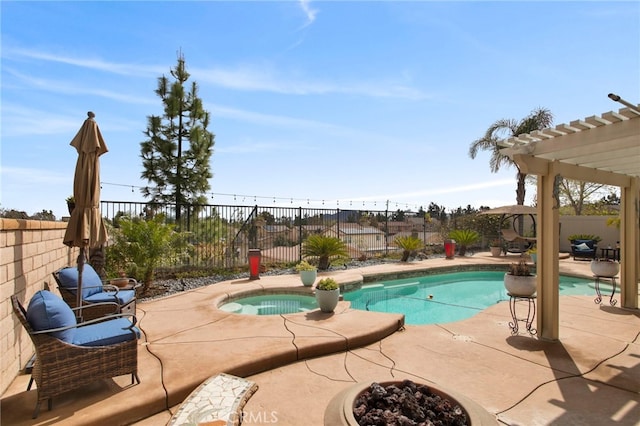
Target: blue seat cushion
(91,282)
(46,311)
(122,298)
(106,333)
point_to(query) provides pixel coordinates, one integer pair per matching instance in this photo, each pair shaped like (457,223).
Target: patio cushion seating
(584,249)
(94,291)
(99,349)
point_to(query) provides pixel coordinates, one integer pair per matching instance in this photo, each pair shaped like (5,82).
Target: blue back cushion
(91,282)
(47,311)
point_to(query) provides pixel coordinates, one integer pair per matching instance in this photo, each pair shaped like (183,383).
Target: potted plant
(495,246)
(327,294)
(71,203)
(519,281)
(605,267)
(308,273)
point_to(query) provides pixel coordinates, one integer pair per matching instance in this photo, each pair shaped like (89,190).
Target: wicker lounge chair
(69,354)
(95,291)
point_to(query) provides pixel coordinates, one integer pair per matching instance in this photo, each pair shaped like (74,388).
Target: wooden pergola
(602,149)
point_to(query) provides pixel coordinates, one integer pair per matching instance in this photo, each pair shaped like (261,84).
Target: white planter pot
(605,268)
(308,277)
(517,285)
(327,299)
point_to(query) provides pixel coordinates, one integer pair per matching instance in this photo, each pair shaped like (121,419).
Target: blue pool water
(271,304)
(448,297)
(431,299)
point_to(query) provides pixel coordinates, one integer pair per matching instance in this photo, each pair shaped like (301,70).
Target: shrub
(409,245)
(520,269)
(140,245)
(464,238)
(305,266)
(324,248)
(595,238)
(327,284)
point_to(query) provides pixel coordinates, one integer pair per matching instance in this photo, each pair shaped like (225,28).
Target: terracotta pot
(339,412)
(119,282)
(518,285)
(605,268)
(496,251)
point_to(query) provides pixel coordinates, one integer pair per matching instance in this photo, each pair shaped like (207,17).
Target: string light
(290,200)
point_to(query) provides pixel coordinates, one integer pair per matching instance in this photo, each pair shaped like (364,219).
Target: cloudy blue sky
(337,103)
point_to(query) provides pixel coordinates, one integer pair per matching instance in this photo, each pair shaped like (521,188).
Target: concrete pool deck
(300,361)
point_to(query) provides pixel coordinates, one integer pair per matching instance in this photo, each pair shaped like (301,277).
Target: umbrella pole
(79,291)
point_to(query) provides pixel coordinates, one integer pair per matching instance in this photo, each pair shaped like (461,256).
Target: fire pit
(398,401)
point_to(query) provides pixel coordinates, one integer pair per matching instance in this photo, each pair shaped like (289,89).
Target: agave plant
(464,238)
(325,248)
(409,244)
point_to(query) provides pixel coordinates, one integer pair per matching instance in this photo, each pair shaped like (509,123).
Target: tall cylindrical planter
(254,264)
(327,299)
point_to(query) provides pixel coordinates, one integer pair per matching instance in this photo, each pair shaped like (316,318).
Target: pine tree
(176,154)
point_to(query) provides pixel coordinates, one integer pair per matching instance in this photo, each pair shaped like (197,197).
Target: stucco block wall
(30,251)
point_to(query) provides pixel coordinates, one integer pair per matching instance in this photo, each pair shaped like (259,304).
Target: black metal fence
(220,236)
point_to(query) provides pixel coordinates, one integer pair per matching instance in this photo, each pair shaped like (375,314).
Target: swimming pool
(270,304)
(447,297)
(429,299)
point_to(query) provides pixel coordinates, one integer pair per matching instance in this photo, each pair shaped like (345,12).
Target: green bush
(327,284)
(409,244)
(325,248)
(464,238)
(584,237)
(140,246)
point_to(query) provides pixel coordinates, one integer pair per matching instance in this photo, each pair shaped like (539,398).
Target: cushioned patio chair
(95,291)
(584,249)
(69,354)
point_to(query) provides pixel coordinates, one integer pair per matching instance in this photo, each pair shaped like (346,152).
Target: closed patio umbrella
(85,228)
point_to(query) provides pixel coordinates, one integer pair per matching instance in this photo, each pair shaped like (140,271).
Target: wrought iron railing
(220,236)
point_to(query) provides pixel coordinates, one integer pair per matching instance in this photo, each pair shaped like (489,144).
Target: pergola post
(548,231)
(629,244)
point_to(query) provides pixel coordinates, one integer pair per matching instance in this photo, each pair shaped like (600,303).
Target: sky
(313,103)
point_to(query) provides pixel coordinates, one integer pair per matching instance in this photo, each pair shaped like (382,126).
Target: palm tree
(538,119)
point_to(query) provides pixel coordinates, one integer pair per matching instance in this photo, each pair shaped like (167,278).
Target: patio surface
(300,361)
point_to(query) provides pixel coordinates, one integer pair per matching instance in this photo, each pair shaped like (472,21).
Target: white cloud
(309,12)
(95,64)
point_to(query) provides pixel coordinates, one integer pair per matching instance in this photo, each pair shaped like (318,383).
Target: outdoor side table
(531,313)
(615,253)
(598,298)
